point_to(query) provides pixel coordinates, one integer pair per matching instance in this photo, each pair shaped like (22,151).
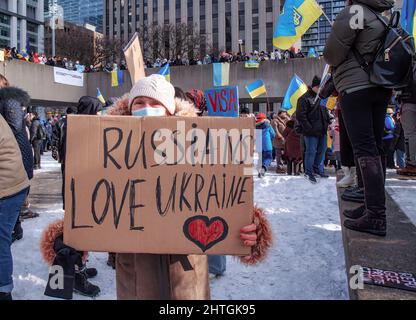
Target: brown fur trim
(182,108)
(264,238)
(121,107)
(54,230)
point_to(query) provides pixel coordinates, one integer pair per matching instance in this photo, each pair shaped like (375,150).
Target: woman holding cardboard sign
(155,276)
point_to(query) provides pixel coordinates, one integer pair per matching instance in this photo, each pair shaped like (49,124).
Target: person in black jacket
(13,105)
(36,139)
(313,120)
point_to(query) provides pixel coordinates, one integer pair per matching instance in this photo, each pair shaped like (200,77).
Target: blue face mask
(149,112)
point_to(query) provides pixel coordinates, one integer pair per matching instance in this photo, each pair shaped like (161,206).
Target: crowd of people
(277,55)
(70,64)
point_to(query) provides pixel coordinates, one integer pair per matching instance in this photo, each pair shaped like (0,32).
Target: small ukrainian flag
(221,74)
(297,88)
(256,88)
(296,18)
(100,96)
(165,71)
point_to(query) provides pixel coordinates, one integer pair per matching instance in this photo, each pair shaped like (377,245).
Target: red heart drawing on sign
(205,232)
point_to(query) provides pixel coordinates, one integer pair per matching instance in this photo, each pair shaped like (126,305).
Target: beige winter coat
(13,177)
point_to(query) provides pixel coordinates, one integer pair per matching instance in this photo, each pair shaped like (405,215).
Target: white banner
(68,77)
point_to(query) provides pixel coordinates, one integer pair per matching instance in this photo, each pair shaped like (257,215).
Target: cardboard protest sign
(134,59)
(158,184)
(222,102)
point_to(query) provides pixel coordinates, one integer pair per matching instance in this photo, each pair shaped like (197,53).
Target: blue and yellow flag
(100,96)
(297,88)
(256,88)
(296,18)
(408,17)
(165,71)
(221,74)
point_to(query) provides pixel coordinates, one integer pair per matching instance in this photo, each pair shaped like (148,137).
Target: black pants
(37,146)
(389,149)
(364,114)
(347,154)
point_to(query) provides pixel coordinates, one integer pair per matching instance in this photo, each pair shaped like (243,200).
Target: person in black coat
(313,120)
(13,105)
(36,139)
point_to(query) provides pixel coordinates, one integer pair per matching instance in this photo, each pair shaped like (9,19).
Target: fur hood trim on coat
(13,93)
(53,231)
(264,238)
(182,108)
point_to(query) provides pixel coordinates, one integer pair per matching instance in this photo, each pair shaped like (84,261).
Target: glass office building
(80,12)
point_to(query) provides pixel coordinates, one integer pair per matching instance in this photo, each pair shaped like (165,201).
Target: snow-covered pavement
(306,262)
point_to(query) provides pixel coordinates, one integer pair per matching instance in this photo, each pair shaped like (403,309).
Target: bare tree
(172,40)
(107,50)
(72,45)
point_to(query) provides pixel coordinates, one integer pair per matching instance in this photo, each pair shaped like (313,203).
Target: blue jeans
(400,159)
(217,264)
(315,148)
(9,212)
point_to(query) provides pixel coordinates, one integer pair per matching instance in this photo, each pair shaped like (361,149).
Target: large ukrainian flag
(256,88)
(296,18)
(297,88)
(408,17)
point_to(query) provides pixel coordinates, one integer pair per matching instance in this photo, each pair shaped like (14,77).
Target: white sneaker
(349,179)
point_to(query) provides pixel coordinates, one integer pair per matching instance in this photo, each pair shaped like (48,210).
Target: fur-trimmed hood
(14,93)
(52,231)
(182,108)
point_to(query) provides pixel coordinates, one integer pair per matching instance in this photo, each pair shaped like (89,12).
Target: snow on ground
(306,261)
(403,192)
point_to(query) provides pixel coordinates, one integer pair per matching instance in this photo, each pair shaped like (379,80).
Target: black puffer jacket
(312,118)
(11,102)
(348,74)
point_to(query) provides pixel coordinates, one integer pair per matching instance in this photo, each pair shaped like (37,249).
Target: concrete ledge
(395,252)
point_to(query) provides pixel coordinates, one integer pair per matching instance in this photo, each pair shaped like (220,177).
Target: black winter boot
(17,231)
(83,286)
(355,194)
(354,214)
(90,272)
(374,219)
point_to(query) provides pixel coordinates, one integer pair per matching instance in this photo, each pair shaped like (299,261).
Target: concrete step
(395,252)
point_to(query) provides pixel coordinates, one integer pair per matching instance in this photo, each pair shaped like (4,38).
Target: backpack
(393,64)
(41,132)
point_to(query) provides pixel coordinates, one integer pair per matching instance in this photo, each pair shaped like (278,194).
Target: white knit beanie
(154,86)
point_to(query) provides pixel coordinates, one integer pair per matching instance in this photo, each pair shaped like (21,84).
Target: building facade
(223,22)
(73,42)
(80,12)
(319,32)
(22,24)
